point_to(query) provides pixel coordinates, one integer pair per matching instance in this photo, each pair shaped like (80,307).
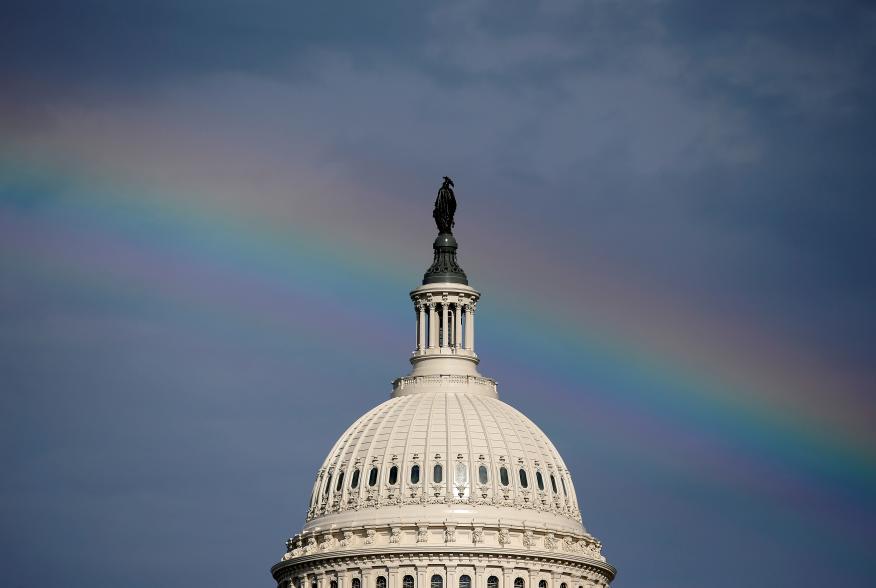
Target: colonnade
(393,575)
(445,325)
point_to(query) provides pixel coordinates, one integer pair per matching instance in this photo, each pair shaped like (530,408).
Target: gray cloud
(718,151)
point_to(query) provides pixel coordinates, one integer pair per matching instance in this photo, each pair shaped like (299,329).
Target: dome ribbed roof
(471,438)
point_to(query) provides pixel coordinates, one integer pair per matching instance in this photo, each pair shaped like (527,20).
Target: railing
(443,380)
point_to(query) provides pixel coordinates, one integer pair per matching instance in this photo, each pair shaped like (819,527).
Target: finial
(445,207)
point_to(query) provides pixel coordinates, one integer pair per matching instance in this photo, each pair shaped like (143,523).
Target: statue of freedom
(445,207)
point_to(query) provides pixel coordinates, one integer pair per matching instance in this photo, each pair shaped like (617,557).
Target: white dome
(443,483)
(495,465)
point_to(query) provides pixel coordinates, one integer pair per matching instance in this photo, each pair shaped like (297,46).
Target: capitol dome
(443,485)
(444,453)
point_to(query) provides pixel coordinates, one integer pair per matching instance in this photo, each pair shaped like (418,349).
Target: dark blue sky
(211,214)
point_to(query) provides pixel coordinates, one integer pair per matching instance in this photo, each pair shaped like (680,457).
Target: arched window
(542,584)
(437,475)
(437,582)
(519,583)
(354,483)
(415,474)
(393,475)
(523,481)
(503,475)
(540,481)
(381,581)
(563,484)
(461,476)
(357,583)
(465,581)
(554,488)
(492,582)
(340,483)
(328,485)
(563,585)
(372,481)
(408,582)
(482,474)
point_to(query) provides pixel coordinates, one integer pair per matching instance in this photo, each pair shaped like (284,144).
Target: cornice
(439,552)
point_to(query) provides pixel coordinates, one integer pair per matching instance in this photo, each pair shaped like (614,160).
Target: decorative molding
(450,533)
(477,535)
(504,537)
(581,569)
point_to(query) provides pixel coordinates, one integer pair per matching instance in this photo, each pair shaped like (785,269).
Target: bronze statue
(445,207)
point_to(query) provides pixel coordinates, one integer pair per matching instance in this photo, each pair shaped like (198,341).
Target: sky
(211,215)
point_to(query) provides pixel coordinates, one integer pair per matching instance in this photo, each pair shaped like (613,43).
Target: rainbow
(740,406)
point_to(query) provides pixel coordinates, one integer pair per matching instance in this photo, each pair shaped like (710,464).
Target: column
(433,326)
(451,577)
(457,328)
(444,333)
(421,326)
(469,326)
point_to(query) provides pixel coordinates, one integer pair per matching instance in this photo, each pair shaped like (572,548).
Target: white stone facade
(443,485)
